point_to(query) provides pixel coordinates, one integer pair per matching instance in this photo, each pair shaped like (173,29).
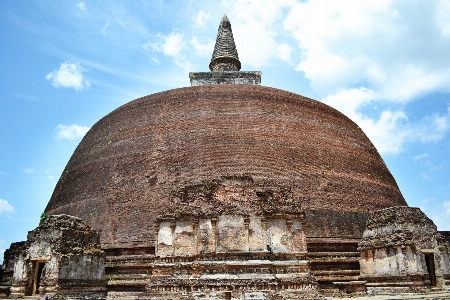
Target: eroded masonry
(226,190)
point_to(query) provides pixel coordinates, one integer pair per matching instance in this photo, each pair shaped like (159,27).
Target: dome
(121,175)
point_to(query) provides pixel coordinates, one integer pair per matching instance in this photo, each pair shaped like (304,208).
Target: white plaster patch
(257,238)
(277,235)
(165,235)
(183,226)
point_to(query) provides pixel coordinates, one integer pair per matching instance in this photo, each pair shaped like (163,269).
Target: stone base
(224,286)
(78,296)
(351,288)
(225,295)
(226,77)
(445,282)
(4,290)
(396,284)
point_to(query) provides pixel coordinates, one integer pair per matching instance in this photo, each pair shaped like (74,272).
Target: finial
(225,65)
(225,56)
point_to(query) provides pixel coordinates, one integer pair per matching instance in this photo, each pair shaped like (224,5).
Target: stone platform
(434,296)
(402,296)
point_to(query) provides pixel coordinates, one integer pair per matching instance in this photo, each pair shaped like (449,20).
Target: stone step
(401,296)
(333,254)
(124,264)
(331,273)
(133,276)
(334,260)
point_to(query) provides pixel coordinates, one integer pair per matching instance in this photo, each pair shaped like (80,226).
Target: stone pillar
(401,260)
(157,227)
(172,228)
(214,237)
(392,260)
(196,230)
(246,223)
(303,222)
(264,231)
(366,262)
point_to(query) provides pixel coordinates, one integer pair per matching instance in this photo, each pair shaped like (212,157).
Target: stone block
(61,258)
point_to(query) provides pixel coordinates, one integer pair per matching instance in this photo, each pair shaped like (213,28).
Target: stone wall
(230,233)
(215,217)
(7,268)
(209,240)
(442,262)
(225,77)
(400,252)
(61,258)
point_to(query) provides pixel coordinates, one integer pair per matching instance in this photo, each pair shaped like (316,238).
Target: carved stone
(227,77)
(401,251)
(61,259)
(225,56)
(225,64)
(7,268)
(222,246)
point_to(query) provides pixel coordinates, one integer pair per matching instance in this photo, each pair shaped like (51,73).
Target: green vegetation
(43,216)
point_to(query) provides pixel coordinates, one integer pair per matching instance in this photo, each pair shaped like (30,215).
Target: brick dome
(120,177)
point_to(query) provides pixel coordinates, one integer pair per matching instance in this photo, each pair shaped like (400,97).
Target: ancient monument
(61,257)
(225,64)
(227,190)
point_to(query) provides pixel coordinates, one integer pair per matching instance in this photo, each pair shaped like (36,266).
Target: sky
(66,64)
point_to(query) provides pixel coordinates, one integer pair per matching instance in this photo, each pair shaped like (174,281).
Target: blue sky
(65,64)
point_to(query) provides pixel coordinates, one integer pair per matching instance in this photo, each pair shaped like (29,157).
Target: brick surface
(122,173)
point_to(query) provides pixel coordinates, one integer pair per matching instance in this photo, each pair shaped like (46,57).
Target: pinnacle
(225,56)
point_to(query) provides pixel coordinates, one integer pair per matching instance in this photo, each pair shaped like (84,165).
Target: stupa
(231,190)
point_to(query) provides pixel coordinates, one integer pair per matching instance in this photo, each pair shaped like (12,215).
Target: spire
(225,56)
(225,65)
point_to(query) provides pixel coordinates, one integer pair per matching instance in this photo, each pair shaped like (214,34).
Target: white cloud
(426,200)
(173,45)
(201,18)
(391,130)
(203,49)
(284,51)
(5,207)
(441,215)
(69,75)
(420,156)
(82,5)
(382,43)
(257,34)
(442,19)
(70,132)
(105,27)
(428,166)
(25,96)
(28,170)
